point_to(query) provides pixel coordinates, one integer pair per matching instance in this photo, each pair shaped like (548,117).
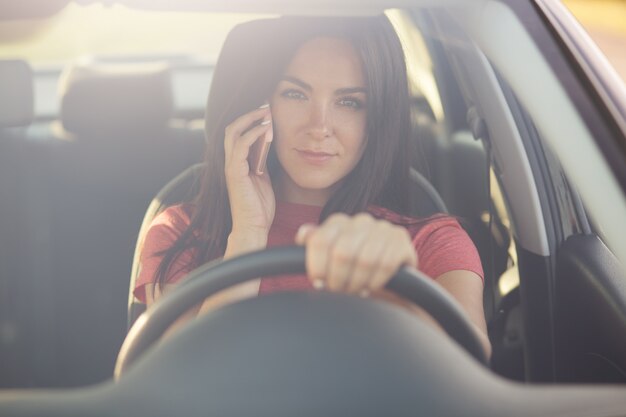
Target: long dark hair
(249,67)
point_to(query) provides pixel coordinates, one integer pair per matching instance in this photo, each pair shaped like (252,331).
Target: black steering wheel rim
(213,277)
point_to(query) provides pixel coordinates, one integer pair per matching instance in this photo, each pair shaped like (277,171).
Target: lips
(315,157)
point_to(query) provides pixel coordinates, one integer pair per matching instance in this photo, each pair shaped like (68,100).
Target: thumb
(304,232)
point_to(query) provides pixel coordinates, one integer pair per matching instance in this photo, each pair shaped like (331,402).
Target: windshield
(112,105)
(115,30)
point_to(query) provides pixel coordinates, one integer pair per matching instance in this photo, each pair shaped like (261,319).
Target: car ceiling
(27,9)
(30,9)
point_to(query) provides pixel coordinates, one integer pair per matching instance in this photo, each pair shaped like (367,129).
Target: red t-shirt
(440,243)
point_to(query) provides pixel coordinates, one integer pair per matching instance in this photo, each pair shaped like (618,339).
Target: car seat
(16,88)
(16,246)
(111,150)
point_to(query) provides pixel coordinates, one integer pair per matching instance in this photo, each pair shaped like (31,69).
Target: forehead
(327,61)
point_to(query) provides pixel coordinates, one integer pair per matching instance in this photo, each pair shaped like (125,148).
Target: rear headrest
(103,97)
(16,90)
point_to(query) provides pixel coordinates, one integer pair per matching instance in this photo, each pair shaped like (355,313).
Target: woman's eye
(353,103)
(293,94)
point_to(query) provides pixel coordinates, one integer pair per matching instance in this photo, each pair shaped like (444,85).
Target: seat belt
(479,130)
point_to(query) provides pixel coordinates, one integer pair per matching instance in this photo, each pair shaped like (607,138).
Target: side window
(562,208)
(420,66)
(457,163)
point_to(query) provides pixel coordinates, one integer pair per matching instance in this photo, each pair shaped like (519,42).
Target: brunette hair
(251,63)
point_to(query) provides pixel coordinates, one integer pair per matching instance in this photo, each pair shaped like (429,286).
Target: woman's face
(319,119)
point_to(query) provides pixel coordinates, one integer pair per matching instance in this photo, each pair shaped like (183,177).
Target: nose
(320,120)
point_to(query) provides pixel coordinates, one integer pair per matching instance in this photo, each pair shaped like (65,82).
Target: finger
(304,232)
(244,122)
(318,247)
(367,260)
(236,164)
(241,146)
(398,251)
(240,125)
(345,253)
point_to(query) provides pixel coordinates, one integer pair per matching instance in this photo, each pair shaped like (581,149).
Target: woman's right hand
(252,201)
(251,197)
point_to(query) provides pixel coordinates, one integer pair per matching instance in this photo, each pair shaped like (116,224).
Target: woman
(333,97)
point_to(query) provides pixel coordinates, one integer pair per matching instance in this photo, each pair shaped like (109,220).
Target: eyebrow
(347,90)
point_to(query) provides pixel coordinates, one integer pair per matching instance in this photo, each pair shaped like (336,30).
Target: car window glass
(115,30)
(420,67)
(567,217)
(188,42)
(605,21)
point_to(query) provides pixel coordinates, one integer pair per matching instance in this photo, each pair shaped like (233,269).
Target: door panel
(590,313)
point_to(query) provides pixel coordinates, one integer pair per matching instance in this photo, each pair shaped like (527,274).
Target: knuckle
(382,225)
(399,230)
(318,241)
(341,255)
(363,218)
(337,218)
(365,263)
(400,234)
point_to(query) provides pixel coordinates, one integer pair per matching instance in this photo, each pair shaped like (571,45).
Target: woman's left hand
(355,254)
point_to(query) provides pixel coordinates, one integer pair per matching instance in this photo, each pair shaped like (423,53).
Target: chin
(315,184)
(314,181)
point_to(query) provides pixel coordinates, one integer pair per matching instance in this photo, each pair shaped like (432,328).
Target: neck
(286,190)
(308,197)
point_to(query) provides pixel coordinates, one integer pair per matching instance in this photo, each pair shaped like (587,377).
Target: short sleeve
(164,230)
(443,246)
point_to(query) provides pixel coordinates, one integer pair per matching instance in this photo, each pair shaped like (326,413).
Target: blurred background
(605,20)
(55,39)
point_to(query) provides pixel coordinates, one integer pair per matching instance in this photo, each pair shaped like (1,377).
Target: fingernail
(266,122)
(264,106)
(318,284)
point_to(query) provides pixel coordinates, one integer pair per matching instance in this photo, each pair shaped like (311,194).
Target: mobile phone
(257,158)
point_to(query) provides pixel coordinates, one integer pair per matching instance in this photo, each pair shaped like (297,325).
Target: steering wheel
(219,275)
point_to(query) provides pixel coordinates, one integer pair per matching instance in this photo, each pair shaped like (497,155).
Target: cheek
(351,128)
(284,119)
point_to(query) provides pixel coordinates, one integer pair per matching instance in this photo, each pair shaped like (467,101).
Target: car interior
(83,174)
(92,173)
(88,177)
